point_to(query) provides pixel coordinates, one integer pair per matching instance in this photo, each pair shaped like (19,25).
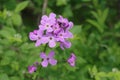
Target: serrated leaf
(95,24)
(95,14)
(21,6)
(105,14)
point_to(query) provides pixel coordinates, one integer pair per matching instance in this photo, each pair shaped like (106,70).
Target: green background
(96,41)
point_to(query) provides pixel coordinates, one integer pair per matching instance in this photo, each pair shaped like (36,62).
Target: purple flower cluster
(52,30)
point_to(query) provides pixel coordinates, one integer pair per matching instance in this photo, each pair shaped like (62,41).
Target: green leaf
(105,14)
(5,61)
(4,77)
(21,6)
(94,71)
(67,11)
(77,29)
(61,2)
(95,24)
(15,78)
(15,65)
(16,19)
(95,14)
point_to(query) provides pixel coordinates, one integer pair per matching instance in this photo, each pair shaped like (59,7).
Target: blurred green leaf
(95,24)
(5,61)
(4,77)
(68,11)
(21,6)
(15,65)
(61,2)
(105,14)
(15,78)
(16,19)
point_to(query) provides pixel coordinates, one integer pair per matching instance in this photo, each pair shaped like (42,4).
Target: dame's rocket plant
(51,31)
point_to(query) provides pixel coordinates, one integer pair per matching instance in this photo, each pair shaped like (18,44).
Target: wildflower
(48,22)
(37,35)
(63,22)
(62,35)
(51,40)
(71,60)
(52,30)
(32,69)
(48,59)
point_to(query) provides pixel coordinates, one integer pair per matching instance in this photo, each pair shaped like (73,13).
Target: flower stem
(45,47)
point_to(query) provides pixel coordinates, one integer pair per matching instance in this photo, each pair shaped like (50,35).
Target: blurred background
(96,41)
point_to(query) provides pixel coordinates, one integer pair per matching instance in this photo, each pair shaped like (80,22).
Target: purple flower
(62,35)
(53,30)
(56,28)
(37,35)
(47,22)
(51,40)
(48,59)
(64,23)
(31,69)
(65,44)
(71,60)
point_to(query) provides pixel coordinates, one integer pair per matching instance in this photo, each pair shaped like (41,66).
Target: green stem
(45,47)
(37,76)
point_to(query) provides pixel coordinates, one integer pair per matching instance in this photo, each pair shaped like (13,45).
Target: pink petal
(38,43)
(32,36)
(52,15)
(68,35)
(49,29)
(44,17)
(52,43)
(42,27)
(51,54)
(43,55)
(44,63)
(67,44)
(45,40)
(52,61)
(40,32)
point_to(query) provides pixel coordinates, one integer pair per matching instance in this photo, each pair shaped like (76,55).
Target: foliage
(96,39)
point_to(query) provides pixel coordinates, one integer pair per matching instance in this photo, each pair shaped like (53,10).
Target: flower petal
(52,61)
(43,55)
(44,17)
(32,36)
(40,32)
(52,43)
(52,15)
(44,63)
(38,43)
(42,27)
(45,40)
(68,35)
(49,29)
(51,54)
(67,44)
